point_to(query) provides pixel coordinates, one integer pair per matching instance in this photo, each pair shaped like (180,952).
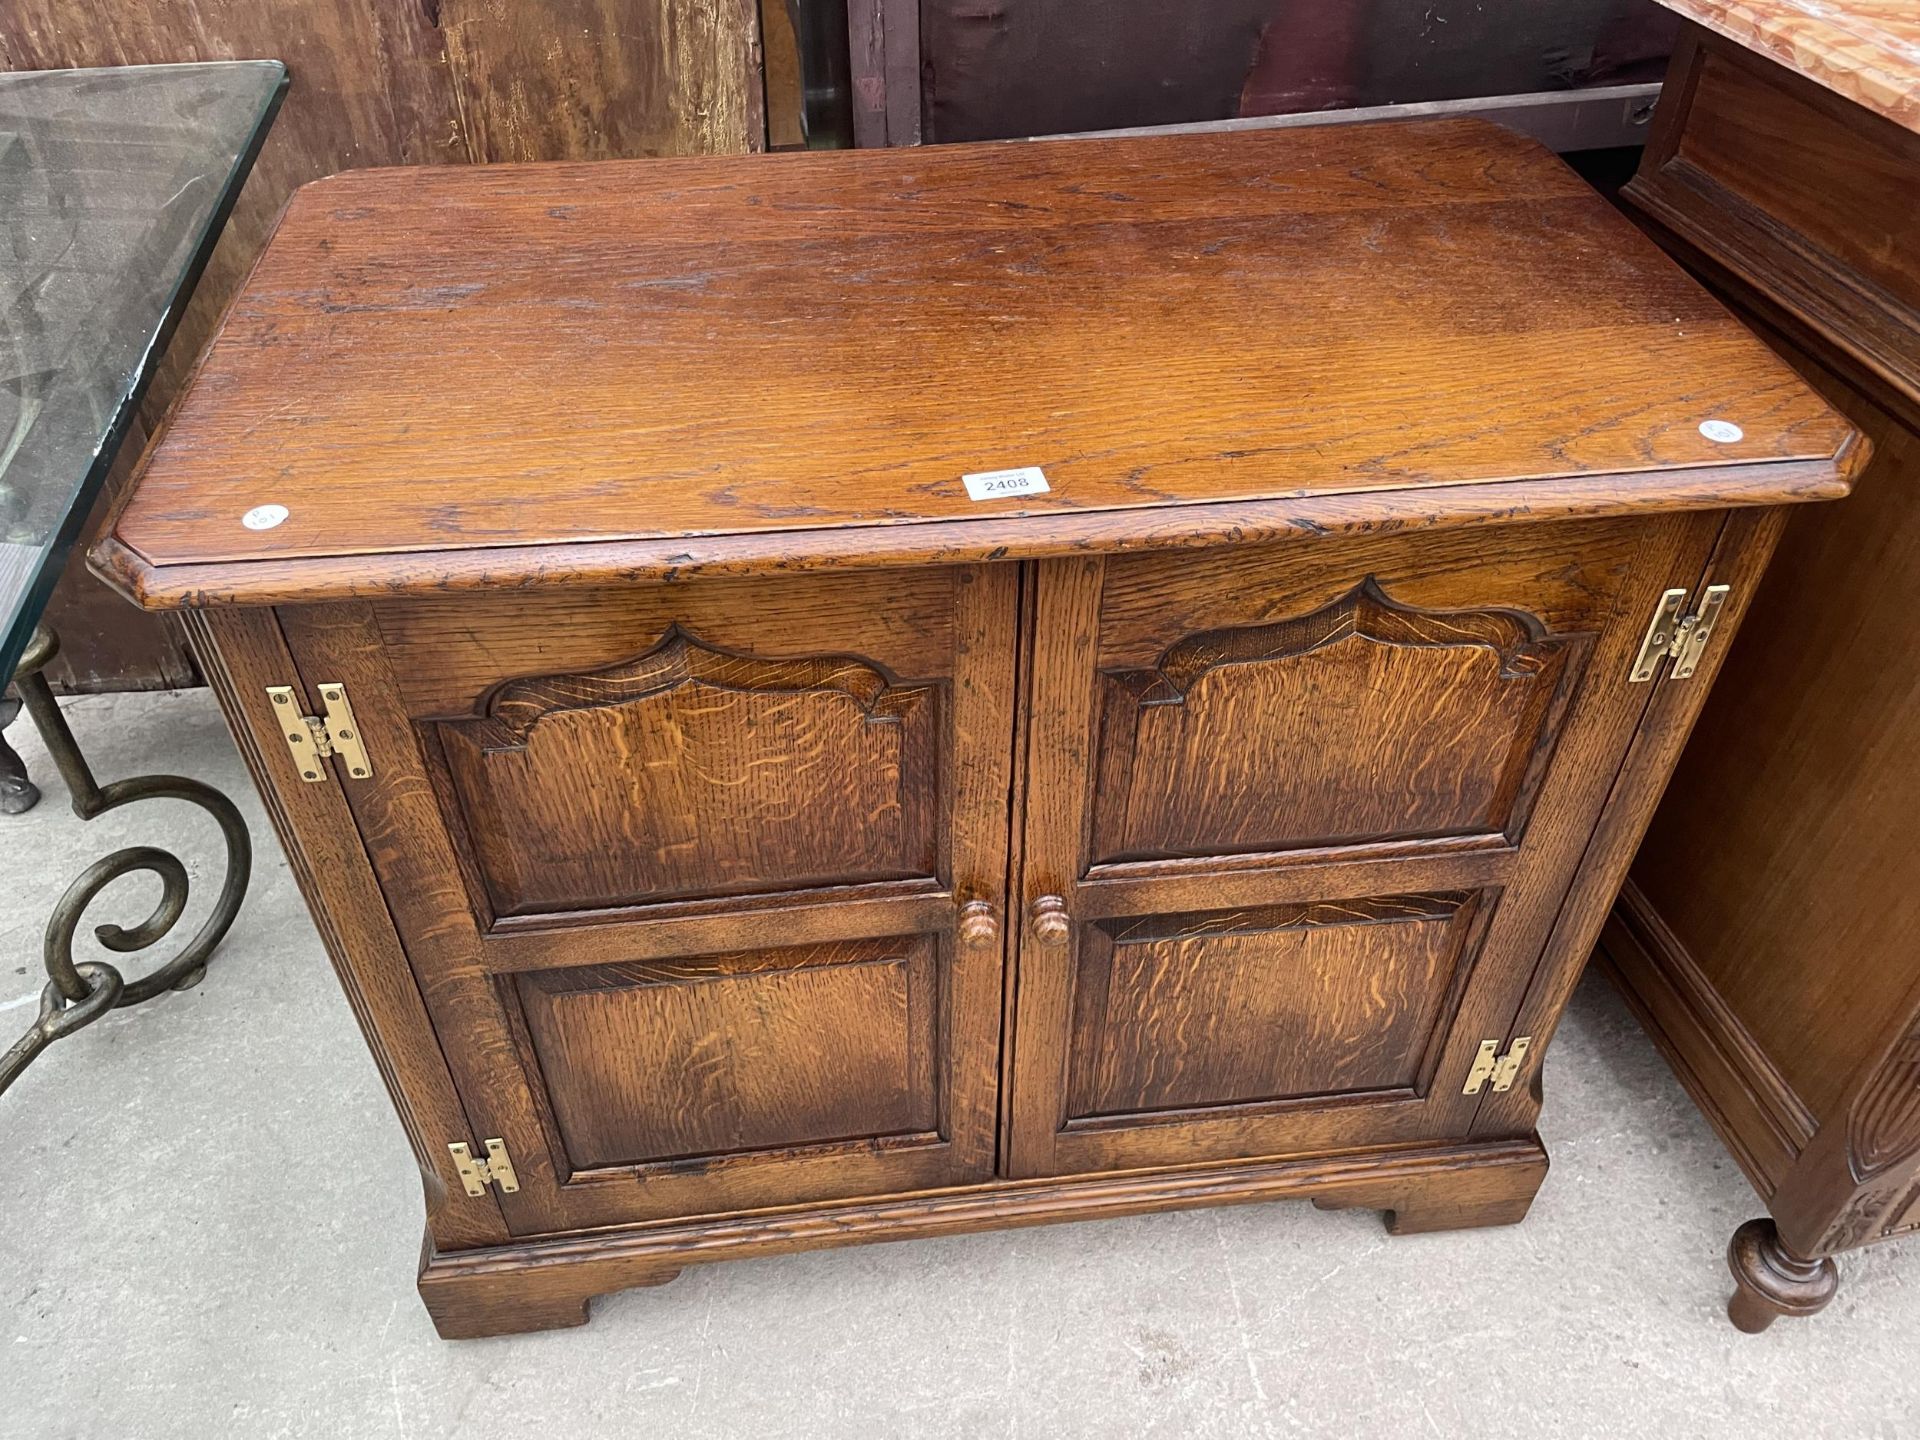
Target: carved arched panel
(1363,721)
(691,771)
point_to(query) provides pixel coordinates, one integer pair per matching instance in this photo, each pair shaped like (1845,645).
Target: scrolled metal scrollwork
(78,993)
(184,969)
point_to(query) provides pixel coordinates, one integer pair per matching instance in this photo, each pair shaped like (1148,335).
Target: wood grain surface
(725,1054)
(820,346)
(1453,703)
(691,771)
(1276,1003)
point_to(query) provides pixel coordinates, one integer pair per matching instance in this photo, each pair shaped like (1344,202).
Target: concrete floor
(211,1222)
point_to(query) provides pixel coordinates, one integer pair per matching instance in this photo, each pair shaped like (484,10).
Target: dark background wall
(991,69)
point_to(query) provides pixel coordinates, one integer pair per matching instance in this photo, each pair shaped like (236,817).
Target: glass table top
(114,186)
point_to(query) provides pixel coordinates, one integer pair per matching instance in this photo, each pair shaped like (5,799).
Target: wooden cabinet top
(455,377)
(1865,50)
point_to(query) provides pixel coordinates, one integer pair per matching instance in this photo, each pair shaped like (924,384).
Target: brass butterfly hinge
(1682,638)
(1490,1064)
(476,1175)
(311,738)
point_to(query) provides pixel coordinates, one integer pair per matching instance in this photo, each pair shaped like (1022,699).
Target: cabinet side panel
(242,652)
(1777,857)
(1804,201)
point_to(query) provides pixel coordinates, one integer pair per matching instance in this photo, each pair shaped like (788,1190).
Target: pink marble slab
(1866,50)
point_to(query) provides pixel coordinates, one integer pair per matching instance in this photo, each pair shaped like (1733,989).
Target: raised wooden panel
(694,771)
(1843,186)
(1362,721)
(723,1055)
(1271,1004)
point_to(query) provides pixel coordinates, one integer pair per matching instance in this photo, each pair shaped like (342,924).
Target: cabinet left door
(700,882)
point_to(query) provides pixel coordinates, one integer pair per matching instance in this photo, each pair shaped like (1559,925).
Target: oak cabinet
(736,837)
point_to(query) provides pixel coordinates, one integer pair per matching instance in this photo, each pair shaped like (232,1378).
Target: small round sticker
(1722,432)
(264,517)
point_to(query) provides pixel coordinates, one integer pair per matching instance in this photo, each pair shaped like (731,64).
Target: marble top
(1865,50)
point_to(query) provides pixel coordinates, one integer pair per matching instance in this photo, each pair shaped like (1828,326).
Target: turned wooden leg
(475,1306)
(1771,1281)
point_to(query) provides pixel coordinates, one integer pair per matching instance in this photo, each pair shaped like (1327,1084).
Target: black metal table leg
(76,995)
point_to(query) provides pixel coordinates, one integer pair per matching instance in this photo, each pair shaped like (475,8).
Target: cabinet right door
(1298,822)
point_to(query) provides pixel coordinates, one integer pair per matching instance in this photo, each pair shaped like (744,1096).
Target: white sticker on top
(1725,432)
(999,484)
(264,517)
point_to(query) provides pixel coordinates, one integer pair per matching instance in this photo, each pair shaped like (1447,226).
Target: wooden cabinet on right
(1770,935)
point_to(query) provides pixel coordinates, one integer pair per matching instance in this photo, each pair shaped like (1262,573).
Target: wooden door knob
(1049,921)
(979,925)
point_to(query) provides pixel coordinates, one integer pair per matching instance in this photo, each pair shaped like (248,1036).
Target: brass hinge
(1490,1064)
(312,739)
(1683,639)
(476,1175)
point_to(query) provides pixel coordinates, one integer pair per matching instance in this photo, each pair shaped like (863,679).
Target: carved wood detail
(1883,1145)
(1364,610)
(509,712)
(1884,1126)
(1365,720)
(691,770)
